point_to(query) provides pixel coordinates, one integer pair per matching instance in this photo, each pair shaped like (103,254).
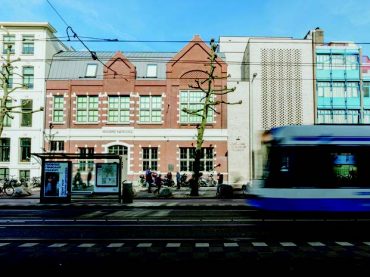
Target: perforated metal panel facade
(281,87)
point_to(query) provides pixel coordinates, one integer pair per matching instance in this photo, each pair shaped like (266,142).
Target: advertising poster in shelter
(56,176)
(106,177)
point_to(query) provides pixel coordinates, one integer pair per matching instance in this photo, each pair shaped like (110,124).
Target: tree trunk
(195,178)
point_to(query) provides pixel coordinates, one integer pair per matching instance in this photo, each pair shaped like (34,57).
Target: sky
(179,20)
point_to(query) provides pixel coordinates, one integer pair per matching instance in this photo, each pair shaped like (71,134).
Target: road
(63,240)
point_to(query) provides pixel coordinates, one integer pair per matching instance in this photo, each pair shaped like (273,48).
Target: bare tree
(6,79)
(209,102)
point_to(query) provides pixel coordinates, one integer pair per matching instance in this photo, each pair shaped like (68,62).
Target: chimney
(318,36)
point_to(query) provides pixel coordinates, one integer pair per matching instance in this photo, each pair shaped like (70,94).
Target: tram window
(345,169)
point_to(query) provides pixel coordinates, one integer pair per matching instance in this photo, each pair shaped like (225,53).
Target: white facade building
(274,79)
(34,44)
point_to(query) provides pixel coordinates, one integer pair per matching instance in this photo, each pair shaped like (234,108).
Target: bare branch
(9,115)
(30,112)
(223,91)
(232,103)
(192,112)
(15,88)
(214,110)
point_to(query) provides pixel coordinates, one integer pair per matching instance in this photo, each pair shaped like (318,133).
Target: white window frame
(8,39)
(59,145)
(87,109)
(152,71)
(151,159)
(122,109)
(148,108)
(91,70)
(187,157)
(193,100)
(30,41)
(58,109)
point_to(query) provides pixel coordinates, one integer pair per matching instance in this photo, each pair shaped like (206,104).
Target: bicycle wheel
(9,190)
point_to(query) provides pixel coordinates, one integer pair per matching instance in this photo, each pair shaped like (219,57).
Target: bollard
(225,191)
(127,193)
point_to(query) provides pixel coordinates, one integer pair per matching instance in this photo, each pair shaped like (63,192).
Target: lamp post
(251,129)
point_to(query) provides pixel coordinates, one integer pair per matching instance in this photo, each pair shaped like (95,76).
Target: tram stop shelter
(67,174)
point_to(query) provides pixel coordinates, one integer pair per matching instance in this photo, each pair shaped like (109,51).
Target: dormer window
(151,71)
(91,70)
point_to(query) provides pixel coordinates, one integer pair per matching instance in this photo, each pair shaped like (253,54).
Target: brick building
(130,104)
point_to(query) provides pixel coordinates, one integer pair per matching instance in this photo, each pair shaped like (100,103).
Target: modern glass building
(339,99)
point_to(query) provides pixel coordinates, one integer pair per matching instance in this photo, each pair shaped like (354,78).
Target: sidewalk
(142,198)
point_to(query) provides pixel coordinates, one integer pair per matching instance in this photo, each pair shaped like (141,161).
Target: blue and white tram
(314,168)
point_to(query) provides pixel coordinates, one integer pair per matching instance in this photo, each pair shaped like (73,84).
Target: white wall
(280,94)
(42,52)
(237,115)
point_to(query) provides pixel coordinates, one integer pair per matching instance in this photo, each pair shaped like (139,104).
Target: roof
(29,25)
(72,64)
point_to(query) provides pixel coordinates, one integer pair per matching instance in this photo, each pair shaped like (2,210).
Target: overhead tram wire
(55,10)
(160,60)
(271,41)
(93,53)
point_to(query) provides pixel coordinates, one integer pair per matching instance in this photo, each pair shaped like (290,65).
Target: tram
(314,168)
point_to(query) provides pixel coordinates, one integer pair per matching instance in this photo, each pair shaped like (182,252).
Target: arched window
(117,149)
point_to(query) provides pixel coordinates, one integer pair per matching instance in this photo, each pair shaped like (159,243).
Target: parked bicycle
(7,187)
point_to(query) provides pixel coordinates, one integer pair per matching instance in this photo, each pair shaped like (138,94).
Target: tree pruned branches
(211,99)
(6,79)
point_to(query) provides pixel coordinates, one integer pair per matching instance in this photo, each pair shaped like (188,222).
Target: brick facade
(168,135)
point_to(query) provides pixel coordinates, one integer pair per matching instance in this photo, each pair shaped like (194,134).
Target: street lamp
(251,129)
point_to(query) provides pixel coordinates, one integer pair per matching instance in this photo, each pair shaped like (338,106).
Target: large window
(117,149)
(28,44)
(193,101)
(4,173)
(352,62)
(323,89)
(338,61)
(58,112)
(366,89)
(25,144)
(10,76)
(150,158)
(86,152)
(7,118)
(353,89)
(87,109)
(331,167)
(366,117)
(119,109)
(323,61)
(26,113)
(338,117)
(338,89)
(9,41)
(4,149)
(187,155)
(24,175)
(150,109)
(57,145)
(28,76)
